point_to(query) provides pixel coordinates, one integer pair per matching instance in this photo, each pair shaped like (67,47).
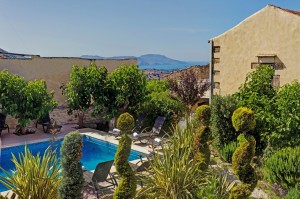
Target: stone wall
(60,115)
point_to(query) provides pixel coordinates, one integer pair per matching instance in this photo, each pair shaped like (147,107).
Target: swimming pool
(93,152)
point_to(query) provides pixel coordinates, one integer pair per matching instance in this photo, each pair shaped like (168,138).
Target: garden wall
(60,115)
(55,71)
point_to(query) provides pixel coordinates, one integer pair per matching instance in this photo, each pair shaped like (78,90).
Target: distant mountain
(154,60)
(3,51)
(144,60)
(91,57)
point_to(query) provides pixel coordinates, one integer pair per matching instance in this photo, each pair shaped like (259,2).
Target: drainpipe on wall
(211,70)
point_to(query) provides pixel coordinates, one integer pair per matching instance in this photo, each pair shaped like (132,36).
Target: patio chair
(140,170)
(3,125)
(101,175)
(147,136)
(44,121)
(138,125)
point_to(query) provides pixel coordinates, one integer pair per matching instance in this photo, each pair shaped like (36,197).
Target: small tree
(188,88)
(10,87)
(86,84)
(287,117)
(24,100)
(126,89)
(72,173)
(127,186)
(159,102)
(33,101)
(258,94)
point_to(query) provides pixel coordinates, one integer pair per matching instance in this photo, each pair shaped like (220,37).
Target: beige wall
(269,31)
(55,70)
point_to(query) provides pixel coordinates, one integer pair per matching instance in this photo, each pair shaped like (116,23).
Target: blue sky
(175,28)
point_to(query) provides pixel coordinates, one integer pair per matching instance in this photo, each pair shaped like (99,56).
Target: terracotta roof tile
(287,10)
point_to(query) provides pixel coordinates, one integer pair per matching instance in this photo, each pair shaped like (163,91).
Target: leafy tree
(86,84)
(24,100)
(72,173)
(126,89)
(258,94)
(188,88)
(35,176)
(10,85)
(33,101)
(158,102)
(287,117)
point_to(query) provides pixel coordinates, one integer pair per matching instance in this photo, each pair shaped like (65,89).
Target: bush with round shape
(72,173)
(243,119)
(125,122)
(283,167)
(203,114)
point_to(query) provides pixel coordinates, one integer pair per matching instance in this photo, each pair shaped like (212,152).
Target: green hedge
(283,167)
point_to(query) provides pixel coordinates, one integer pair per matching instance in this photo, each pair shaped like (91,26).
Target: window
(216,60)
(268,59)
(217,85)
(216,72)
(216,49)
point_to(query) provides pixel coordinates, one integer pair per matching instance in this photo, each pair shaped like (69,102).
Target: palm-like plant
(174,173)
(35,176)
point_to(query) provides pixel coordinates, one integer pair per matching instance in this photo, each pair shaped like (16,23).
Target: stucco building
(270,36)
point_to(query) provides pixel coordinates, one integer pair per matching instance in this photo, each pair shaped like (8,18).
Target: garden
(253,132)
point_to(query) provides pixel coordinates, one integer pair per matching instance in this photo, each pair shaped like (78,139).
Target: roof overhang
(266,55)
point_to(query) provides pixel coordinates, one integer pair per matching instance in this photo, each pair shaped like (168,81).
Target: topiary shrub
(227,151)
(127,186)
(243,120)
(202,152)
(125,122)
(203,114)
(202,134)
(283,167)
(72,173)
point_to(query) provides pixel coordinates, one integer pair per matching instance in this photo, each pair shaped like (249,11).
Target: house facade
(270,36)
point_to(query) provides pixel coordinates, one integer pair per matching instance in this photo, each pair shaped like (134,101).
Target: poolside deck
(10,139)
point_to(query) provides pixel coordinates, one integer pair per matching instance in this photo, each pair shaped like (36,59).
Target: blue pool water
(94,151)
